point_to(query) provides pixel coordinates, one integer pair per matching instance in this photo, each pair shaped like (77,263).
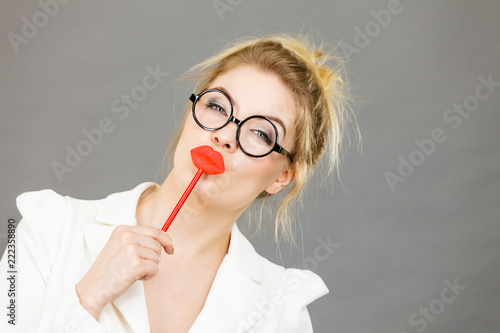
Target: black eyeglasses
(257,136)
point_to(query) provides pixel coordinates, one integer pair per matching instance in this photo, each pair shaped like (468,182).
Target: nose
(225,138)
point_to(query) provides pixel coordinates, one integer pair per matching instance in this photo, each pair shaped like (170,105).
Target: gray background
(394,247)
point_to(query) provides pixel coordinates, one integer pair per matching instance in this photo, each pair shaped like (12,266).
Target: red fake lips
(208,160)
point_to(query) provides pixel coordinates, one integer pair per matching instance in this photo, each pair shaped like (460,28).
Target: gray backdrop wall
(418,211)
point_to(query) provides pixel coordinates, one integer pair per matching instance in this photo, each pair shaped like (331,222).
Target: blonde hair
(321,97)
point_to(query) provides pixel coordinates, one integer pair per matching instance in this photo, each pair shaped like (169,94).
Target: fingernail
(172,252)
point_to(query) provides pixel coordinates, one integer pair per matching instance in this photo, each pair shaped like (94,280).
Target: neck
(199,230)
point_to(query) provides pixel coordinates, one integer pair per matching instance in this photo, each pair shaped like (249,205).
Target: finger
(149,231)
(130,235)
(161,236)
(146,242)
(144,270)
(144,253)
(166,243)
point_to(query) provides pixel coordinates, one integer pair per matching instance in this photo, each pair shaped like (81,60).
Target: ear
(285,178)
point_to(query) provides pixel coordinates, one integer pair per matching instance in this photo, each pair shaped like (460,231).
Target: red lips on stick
(207,161)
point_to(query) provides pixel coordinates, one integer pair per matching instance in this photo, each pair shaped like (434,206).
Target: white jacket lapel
(237,283)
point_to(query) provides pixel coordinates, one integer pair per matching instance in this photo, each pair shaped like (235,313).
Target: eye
(262,136)
(217,108)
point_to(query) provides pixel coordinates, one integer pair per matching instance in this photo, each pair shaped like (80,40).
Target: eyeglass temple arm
(283,151)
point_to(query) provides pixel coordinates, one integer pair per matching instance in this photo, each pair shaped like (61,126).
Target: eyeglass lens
(257,136)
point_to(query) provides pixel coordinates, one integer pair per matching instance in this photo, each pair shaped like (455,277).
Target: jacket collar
(120,208)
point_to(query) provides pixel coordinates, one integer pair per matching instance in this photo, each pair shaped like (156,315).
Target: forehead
(256,92)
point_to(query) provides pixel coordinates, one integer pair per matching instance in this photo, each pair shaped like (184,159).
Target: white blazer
(59,238)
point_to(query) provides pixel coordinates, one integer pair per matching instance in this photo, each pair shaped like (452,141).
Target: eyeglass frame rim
(277,147)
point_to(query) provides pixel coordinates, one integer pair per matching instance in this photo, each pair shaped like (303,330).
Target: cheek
(235,187)
(191,131)
(192,136)
(254,177)
(183,163)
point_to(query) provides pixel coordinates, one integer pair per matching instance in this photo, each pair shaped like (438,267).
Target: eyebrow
(275,119)
(279,123)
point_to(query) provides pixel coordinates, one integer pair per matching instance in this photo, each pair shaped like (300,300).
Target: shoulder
(304,286)
(48,216)
(47,209)
(292,289)
(47,205)
(43,214)
(41,204)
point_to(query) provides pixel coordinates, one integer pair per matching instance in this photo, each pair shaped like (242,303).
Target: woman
(271,107)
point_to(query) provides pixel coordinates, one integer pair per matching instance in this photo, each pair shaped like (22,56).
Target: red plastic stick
(206,160)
